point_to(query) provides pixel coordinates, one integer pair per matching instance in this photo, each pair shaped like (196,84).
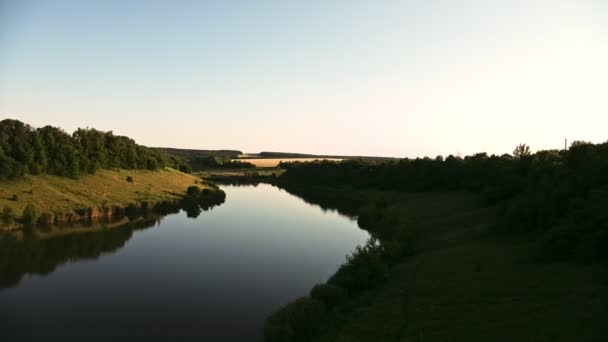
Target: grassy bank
(104,188)
(458,281)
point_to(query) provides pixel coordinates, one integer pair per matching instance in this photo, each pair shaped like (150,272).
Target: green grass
(466,284)
(110,187)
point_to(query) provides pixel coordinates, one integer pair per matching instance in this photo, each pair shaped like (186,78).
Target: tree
(30,214)
(7,215)
(522,150)
(50,150)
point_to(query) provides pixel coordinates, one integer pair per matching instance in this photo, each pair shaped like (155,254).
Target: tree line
(217,162)
(50,150)
(560,196)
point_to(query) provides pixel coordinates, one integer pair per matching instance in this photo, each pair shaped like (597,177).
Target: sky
(383,78)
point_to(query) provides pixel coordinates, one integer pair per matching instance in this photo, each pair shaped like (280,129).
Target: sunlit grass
(110,187)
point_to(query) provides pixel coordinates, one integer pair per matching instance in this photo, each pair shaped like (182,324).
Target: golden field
(110,187)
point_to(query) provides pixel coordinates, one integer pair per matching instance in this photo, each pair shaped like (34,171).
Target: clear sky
(395,78)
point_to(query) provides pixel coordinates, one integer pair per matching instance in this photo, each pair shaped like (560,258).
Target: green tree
(522,150)
(30,214)
(8,215)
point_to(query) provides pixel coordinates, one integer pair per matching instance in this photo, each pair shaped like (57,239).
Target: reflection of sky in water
(217,276)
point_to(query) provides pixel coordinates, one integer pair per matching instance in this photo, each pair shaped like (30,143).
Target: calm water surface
(215,277)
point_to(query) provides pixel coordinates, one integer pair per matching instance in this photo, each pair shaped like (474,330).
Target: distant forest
(50,150)
(559,195)
(208,159)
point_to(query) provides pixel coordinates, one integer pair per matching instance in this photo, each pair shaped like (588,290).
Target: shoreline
(100,197)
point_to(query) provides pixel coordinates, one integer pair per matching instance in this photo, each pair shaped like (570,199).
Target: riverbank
(441,273)
(62,199)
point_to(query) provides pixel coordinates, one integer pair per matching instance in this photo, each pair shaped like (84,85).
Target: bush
(193,191)
(30,214)
(208,198)
(45,219)
(15,198)
(185,168)
(362,269)
(298,321)
(328,294)
(131,210)
(8,215)
(130,179)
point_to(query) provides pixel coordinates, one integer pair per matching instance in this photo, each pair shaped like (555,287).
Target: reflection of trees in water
(194,204)
(322,197)
(36,255)
(326,198)
(41,250)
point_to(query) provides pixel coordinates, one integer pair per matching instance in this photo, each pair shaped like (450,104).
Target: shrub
(15,198)
(130,179)
(362,269)
(298,321)
(193,191)
(131,210)
(8,215)
(208,198)
(30,214)
(45,219)
(185,168)
(328,294)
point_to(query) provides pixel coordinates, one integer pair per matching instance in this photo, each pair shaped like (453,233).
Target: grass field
(467,284)
(274,162)
(52,193)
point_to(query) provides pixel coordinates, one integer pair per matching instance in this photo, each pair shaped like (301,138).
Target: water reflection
(215,277)
(41,250)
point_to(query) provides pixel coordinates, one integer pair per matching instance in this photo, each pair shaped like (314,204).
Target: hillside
(49,193)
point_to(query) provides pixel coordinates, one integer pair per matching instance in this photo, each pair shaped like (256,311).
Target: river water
(214,277)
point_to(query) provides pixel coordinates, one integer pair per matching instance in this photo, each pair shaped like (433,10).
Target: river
(214,277)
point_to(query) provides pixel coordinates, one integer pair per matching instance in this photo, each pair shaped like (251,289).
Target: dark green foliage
(194,191)
(521,151)
(559,195)
(50,150)
(189,155)
(298,321)
(183,167)
(45,219)
(206,159)
(209,198)
(130,179)
(7,215)
(30,215)
(215,162)
(330,295)
(364,268)
(41,256)
(197,200)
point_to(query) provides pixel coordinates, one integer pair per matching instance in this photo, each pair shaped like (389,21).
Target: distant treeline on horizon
(50,150)
(560,194)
